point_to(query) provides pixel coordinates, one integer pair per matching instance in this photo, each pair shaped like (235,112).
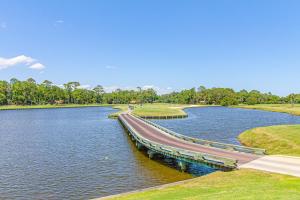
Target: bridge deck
(156,135)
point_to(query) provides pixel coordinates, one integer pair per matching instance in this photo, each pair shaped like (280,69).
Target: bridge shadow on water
(163,162)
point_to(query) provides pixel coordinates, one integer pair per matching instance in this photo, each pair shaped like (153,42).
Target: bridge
(157,140)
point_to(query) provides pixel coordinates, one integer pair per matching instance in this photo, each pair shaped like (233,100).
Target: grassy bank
(48,106)
(155,109)
(284,139)
(241,184)
(121,107)
(285,108)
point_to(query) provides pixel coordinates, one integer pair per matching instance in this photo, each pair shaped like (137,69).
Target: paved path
(278,164)
(156,135)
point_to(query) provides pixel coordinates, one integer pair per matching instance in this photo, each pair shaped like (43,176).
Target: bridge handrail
(196,156)
(230,147)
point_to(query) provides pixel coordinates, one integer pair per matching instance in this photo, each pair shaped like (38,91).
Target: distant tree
(47,83)
(4,92)
(99,91)
(70,87)
(31,80)
(29,92)
(13,81)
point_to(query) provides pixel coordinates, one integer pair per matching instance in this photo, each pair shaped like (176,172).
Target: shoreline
(280,108)
(171,111)
(2,108)
(209,186)
(148,188)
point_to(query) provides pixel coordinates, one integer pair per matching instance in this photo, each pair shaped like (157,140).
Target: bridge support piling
(182,165)
(132,138)
(151,154)
(138,145)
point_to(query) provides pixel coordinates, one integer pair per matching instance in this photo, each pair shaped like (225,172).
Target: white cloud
(59,85)
(9,62)
(84,87)
(110,67)
(110,88)
(20,60)
(157,89)
(37,66)
(3,25)
(145,87)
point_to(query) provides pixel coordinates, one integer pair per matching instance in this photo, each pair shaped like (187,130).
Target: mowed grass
(155,109)
(240,184)
(160,109)
(48,106)
(283,139)
(285,108)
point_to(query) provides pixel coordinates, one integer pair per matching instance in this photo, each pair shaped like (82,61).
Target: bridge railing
(189,156)
(225,146)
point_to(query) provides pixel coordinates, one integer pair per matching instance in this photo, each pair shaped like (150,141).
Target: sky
(168,45)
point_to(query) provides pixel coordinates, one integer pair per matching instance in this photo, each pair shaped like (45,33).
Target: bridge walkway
(152,133)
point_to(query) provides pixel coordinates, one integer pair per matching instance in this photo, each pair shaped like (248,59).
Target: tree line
(29,92)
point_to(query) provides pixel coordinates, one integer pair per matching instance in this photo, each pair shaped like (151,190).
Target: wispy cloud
(37,66)
(20,60)
(58,22)
(145,87)
(85,86)
(9,62)
(111,88)
(110,67)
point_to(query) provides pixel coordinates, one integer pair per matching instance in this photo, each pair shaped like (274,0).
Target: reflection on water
(79,153)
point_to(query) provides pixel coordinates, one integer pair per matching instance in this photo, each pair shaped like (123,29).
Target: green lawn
(283,139)
(155,109)
(285,108)
(19,107)
(161,109)
(239,184)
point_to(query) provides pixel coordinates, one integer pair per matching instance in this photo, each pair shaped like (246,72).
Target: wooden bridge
(157,140)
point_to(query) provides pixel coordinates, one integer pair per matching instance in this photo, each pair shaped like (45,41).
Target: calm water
(79,153)
(225,124)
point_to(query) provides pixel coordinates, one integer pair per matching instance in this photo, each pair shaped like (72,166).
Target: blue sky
(169,45)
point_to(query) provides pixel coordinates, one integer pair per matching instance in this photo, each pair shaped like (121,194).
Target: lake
(79,153)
